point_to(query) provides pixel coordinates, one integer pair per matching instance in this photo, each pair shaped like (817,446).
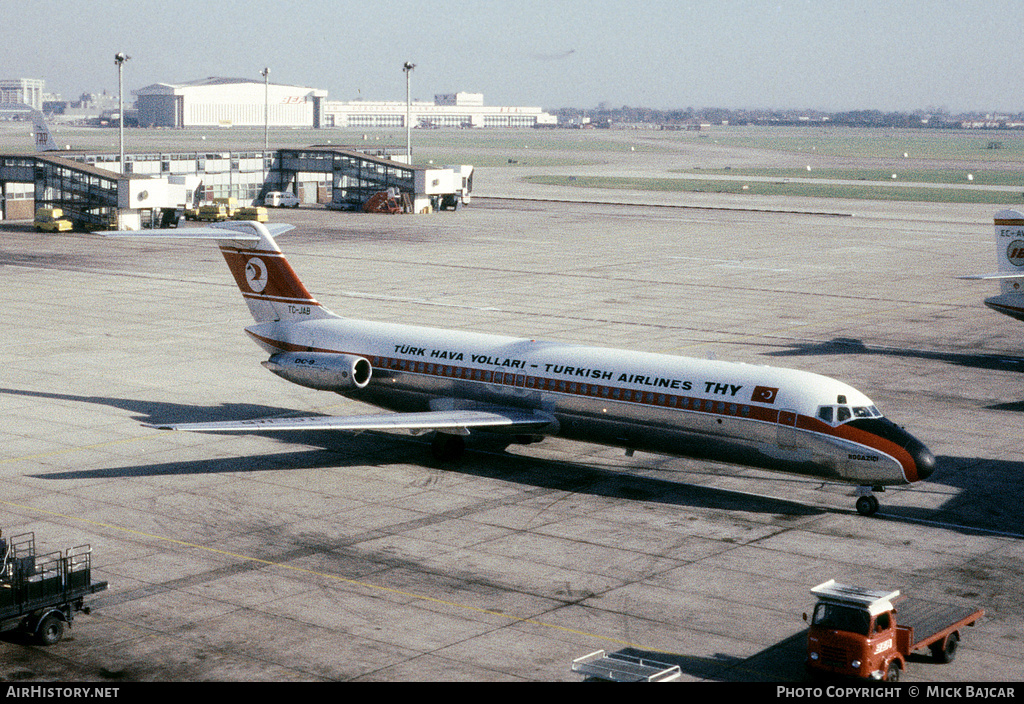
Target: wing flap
(460,421)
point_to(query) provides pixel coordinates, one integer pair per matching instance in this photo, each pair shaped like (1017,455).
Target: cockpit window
(834,415)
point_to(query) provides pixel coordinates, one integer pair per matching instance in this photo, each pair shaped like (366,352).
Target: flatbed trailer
(622,667)
(857,632)
(40,594)
(924,624)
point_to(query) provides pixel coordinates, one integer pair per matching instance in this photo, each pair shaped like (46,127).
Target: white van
(281,199)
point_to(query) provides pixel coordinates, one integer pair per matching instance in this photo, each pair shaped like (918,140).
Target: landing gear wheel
(51,630)
(867,505)
(945,650)
(893,673)
(447,448)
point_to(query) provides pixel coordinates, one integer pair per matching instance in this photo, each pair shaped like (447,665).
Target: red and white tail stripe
(269,285)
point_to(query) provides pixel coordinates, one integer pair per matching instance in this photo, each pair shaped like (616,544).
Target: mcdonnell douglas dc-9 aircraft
(1010,257)
(455,383)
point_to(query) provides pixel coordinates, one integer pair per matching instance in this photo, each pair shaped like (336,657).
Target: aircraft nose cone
(924,460)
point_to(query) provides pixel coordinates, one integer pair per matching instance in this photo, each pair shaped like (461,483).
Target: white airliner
(455,383)
(1009,226)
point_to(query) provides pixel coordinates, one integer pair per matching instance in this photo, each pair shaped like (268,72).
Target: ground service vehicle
(39,594)
(281,199)
(624,667)
(382,202)
(213,212)
(51,220)
(219,209)
(857,632)
(255,213)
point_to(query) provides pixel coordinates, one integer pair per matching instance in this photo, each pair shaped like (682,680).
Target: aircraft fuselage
(738,413)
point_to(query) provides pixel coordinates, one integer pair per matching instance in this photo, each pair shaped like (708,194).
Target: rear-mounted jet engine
(318,370)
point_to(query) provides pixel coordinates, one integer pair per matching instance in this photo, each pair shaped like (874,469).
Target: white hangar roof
(214,89)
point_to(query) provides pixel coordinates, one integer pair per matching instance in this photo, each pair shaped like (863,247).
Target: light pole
(408,67)
(266,110)
(119,59)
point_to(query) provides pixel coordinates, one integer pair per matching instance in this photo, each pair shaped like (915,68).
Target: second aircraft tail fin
(1009,231)
(44,138)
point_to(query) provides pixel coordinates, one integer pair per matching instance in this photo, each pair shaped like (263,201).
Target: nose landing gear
(867,504)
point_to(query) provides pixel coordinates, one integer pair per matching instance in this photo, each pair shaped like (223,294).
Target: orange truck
(857,632)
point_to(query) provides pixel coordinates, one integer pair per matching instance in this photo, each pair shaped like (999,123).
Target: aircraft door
(787,435)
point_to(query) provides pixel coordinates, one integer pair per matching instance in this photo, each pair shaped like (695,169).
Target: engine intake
(322,370)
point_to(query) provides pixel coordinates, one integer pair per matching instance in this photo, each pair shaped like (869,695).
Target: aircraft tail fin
(44,139)
(1009,231)
(1010,249)
(267,282)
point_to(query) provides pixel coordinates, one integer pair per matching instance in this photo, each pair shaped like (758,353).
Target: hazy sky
(823,54)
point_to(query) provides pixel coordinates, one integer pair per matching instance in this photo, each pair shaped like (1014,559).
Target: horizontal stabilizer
(458,420)
(235,231)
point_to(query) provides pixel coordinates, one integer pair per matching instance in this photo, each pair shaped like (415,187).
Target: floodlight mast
(119,59)
(408,66)
(266,110)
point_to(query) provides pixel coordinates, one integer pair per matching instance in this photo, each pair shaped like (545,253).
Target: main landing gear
(867,504)
(447,448)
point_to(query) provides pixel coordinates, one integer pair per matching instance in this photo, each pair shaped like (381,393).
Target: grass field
(992,158)
(868,190)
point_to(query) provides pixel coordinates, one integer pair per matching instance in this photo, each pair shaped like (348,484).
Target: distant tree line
(936,118)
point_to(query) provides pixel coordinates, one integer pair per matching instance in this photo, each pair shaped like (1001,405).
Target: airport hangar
(222,102)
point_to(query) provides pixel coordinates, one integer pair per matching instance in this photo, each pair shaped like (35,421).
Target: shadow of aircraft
(337,449)
(781,662)
(990,494)
(847,345)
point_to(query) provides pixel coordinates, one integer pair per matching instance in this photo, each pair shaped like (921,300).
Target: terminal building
(22,91)
(448,110)
(93,193)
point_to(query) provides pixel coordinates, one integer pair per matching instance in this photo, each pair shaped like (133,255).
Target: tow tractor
(39,594)
(854,631)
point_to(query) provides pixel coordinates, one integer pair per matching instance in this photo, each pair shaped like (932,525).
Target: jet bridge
(86,194)
(343,178)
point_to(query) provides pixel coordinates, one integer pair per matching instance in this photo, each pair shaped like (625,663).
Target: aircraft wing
(453,421)
(996,275)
